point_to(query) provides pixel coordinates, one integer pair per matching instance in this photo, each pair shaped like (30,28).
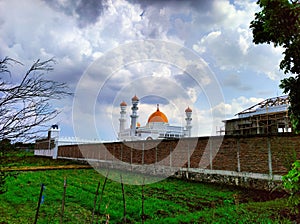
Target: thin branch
(25,107)
(4,64)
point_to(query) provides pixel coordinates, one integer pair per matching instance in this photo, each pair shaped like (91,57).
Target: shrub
(291,182)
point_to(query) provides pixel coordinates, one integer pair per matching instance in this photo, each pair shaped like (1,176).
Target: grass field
(22,159)
(167,201)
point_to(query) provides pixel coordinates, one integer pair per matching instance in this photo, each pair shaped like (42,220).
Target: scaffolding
(267,117)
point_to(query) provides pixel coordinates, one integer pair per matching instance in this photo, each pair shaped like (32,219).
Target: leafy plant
(278,22)
(5,148)
(291,183)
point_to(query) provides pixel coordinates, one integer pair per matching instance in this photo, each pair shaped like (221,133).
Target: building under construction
(267,117)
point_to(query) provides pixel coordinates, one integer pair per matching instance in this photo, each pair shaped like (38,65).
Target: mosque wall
(266,155)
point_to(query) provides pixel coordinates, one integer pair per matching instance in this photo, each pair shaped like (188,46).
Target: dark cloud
(202,5)
(151,99)
(89,11)
(234,80)
(86,11)
(109,96)
(108,93)
(185,80)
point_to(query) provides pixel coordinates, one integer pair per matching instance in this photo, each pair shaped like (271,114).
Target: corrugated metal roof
(271,105)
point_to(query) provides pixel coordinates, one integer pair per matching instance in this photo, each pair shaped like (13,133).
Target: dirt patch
(286,213)
(39,168)
(246,196)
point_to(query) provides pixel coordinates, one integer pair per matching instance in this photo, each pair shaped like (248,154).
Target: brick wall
(258,154)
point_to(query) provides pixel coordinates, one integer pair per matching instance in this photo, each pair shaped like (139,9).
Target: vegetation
(5,146)
(278,22)
(12,157)
(168,201)
(291,183)
(18,159)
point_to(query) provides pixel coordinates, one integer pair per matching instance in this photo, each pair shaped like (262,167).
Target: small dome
(123,104)
(188,110)
(135,98)
(138,124)
(158,116)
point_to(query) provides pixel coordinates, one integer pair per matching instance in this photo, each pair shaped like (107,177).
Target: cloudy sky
(175,53)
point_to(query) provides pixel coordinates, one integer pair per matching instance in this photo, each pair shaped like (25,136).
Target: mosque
(157,127)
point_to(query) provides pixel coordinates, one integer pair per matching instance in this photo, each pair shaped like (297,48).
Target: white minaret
(122,118)
(188,127)
(134,115)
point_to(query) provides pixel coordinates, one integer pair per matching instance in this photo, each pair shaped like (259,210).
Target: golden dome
(123,104)
(158,116)
(188,109)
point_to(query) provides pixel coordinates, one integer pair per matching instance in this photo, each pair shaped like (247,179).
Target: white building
(157,127)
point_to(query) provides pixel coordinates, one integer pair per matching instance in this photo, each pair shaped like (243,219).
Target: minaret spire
(134,115)
(122,118)
(188,127)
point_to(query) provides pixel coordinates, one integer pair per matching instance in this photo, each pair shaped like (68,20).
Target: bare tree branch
(25,107)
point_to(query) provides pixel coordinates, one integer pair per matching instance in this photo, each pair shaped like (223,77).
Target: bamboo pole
(124,201)
(95,201)
(101,195)
(39,204)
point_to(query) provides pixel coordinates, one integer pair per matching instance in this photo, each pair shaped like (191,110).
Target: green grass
(23,158)
(168,201)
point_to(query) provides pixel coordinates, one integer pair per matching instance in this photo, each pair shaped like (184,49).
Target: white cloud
(239,104)
(235,50)
(206,40)
(245,40)
(217,30)
(163,71)
(211,120)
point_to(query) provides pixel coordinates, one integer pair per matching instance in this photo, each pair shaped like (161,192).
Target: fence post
(63,201)
(189,156)
(270,157)
(238,156)
(131,154)
(105,155)
(121,152)
(210,153)
(55,149)
(170,155)
(155,154)
(114,155)
(143,153)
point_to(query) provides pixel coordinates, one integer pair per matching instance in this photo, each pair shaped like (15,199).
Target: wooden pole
(124,201)
(39,204)
(101,195)
(95,201)
(63,201)
(143,198)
